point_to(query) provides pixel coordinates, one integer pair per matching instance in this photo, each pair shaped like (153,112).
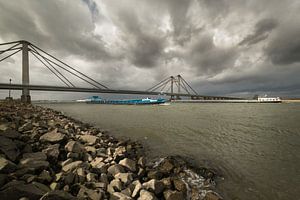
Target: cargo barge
(145,101)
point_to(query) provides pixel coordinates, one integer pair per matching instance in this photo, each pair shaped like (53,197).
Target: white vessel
(266,99)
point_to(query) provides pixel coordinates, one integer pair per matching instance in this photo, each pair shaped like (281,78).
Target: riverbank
(47,155)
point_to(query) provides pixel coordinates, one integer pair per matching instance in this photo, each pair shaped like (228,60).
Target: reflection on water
(254,146)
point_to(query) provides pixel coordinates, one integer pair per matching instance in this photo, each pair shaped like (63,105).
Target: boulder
(26,127)
(89,139)
(166,166)
(53,137)
(142,161)
(114,169)
(12,134)
(173,195)
(146,195)
(91,177)
(128,163)
(19,189)
(52,151)
(116,185)
(167,182)
(45,176)
(71,166)
(57,195)
(85,193)
(212,196)
(137,187)
(119,196)
(9,148)
(35,160)
(6,166)
(35,156)
(180,185)
(125,178)
(3,179)
(154,186)
(74,147)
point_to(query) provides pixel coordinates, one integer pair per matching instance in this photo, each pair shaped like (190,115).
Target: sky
(221,47)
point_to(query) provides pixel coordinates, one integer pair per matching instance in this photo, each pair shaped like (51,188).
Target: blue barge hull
(147,101)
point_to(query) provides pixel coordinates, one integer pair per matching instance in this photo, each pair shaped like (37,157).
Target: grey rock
(32,163)
(68,161)
(166,166)
(91,177)
(9,148)
(6,166)
(167,182)
(128,163)
(146,195)
(71,166)
(119,196)
(52,151)
(69,178)
(45,176)
(86,193)
(54,186)
(173,195)
(53,137)
(89,139)
(137,187)
(91,149)
(116,185)
(154,186)
(74,147)
(12,134)
(142,161)
(26,127)
(114,169)
(35,160)
(125,178)
(180,185)
(57,195)
(35,156)
(3,179)
(31,191)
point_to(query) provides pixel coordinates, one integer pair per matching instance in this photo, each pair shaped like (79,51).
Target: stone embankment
(46,155)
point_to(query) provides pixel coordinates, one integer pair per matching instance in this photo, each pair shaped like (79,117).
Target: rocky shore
(46,155)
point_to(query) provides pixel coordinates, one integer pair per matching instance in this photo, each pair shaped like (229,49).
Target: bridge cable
(69,71)
(8,49)
(189,86)
(151,89)
(7,43)
(56,70)
(10,55)
(49,68)
(69,66)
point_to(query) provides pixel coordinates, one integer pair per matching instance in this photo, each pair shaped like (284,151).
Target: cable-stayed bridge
(175,87)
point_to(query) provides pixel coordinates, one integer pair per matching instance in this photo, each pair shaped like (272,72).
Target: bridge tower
(25,72)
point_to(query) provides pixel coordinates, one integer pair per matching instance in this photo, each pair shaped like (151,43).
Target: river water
(255,147)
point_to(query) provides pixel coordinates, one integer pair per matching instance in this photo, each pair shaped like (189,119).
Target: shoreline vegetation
(47,155)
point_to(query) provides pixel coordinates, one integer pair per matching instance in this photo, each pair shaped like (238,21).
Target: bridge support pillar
(25,73)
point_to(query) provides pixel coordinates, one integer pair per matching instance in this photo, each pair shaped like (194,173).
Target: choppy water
(256,147)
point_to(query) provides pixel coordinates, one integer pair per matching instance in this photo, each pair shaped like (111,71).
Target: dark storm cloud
(210,59)
(261,32)
(135,43)
(284,48)
(53,25)
(143,49)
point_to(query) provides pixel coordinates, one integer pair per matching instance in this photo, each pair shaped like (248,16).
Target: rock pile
(46,155)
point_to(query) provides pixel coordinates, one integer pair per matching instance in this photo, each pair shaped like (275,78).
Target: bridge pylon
(173,83)
(25,72)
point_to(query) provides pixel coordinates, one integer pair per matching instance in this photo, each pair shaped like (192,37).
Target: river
(255,147)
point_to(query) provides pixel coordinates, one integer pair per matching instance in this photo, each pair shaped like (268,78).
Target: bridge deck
(96,90)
